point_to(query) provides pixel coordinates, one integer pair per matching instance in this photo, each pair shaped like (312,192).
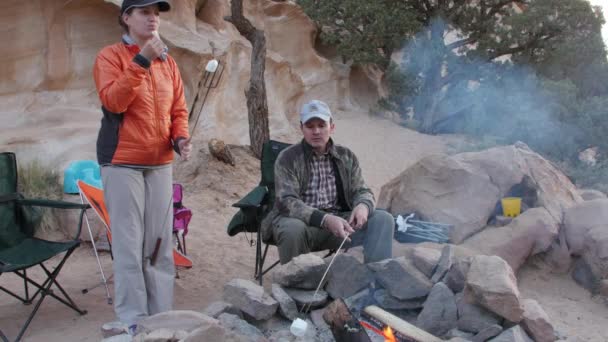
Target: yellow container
(511,206)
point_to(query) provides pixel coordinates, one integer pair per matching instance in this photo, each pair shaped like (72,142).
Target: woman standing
(144,119)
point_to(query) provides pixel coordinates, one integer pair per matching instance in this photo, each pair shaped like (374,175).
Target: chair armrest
(58,205)
(254,199)
(53,204)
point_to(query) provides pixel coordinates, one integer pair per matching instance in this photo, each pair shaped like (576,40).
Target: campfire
(345,326)
(386,332)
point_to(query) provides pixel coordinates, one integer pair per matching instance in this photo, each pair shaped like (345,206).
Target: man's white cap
(315,109)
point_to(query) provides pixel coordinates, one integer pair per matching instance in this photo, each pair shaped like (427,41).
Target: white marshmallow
(298,327)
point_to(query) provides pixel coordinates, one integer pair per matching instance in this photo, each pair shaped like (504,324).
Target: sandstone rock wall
(51,110)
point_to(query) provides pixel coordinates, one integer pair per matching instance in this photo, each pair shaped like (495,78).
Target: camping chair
(20,250)
(181,218)
(94,196)
(416,231)
(256,204)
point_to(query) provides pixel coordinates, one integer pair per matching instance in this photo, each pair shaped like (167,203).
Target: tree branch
(460,43)
(522,47)
(257,102)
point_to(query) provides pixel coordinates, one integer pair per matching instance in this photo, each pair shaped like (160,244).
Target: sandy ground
(384,149)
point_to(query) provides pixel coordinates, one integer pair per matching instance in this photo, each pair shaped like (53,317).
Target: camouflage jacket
(291,175)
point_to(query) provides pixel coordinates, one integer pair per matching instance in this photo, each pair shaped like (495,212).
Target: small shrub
(37,180)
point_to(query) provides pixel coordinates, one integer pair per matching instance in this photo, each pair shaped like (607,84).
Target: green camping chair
(20,250)
(256,204)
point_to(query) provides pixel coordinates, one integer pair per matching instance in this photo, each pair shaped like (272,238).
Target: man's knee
(290,238)
(382,220)
(289,230)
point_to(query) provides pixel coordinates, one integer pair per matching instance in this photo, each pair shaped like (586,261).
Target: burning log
(344,326)
(401,327)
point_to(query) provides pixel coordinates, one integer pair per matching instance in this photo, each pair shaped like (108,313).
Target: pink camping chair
(181,218)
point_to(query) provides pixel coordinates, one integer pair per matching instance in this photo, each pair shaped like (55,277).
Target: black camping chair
(256,205)
(20,250)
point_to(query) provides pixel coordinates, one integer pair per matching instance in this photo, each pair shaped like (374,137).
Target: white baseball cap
(315,109)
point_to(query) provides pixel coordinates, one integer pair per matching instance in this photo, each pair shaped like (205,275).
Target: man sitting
(321,197)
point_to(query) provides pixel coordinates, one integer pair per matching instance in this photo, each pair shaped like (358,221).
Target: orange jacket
(143,104)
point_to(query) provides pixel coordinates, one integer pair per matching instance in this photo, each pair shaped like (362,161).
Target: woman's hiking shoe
(114,328)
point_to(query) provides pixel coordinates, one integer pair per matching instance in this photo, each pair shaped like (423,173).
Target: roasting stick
(299,326)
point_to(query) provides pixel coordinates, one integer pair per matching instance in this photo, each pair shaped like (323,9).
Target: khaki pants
(293,237)
(139,203)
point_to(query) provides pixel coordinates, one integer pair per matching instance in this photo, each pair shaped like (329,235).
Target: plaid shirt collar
(308,151)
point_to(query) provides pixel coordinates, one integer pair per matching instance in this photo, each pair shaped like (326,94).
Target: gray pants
(139,202)
(293,237)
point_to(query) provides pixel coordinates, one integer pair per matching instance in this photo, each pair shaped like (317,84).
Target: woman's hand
(185,148)
(153,48)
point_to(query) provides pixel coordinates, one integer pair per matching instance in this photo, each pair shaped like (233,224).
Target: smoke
(457,91)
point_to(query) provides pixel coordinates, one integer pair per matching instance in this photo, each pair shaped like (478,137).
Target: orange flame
(388,334)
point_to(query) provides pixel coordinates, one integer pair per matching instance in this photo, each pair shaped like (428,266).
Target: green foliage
(400,87)
(363,31)
(534,71)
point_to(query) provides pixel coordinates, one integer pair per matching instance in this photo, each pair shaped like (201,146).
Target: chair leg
(259,275)
(103,276)
(23,300)
(53,277)
(260,271)
(27,300)
(258,258)
(45,290)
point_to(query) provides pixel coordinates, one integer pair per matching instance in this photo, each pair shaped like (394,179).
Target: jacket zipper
(157,121)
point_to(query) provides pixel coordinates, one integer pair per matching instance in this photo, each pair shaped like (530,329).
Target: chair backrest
(181,214)
(10,230)
(94,196)
(270,152)
(178,195)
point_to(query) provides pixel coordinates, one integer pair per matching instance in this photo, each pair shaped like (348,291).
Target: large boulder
(49,96)
(250,298)
(530,233)
(595,252)
(184,320)
(426,259)
(439,314)
(473,318)
(579,219)
(591,194)
(491,284)
(347,276)
(463,189)
(514,334)
(536,322)
(393,273)
(304,272)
